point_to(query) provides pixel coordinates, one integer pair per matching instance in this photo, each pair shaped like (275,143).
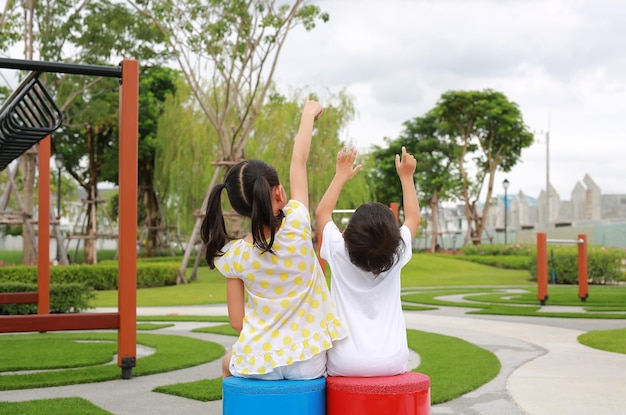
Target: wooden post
(542,267)
(583,278)
(43,249)
(128,173)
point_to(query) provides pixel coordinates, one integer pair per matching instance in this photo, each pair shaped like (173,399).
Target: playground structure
(542,265)
(28,118)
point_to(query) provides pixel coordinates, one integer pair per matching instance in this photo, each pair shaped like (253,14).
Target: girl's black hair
(373,238)
(249,185)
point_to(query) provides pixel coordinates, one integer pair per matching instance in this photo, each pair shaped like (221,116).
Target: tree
(435,174)
(238,44)
(83,32)
(489,134)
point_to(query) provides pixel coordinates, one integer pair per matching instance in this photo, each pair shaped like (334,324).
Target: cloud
(561,61)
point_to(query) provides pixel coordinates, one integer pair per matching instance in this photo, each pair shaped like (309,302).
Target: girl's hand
(313,108)
(406,165)
(345,168)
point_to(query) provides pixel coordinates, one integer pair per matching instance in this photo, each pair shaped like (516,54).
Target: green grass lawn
(27,350)
(430,275)
(423,270)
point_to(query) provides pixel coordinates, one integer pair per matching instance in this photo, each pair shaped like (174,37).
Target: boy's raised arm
(344,171)
(405,166)
(298,180)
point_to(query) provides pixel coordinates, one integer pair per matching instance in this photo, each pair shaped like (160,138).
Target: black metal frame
(30,113)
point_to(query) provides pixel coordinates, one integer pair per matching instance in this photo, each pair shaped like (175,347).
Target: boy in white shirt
(365,262)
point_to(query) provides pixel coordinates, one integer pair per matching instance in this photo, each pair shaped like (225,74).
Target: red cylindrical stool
(405,394)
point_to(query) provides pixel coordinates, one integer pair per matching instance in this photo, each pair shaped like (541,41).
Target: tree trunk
(91,253)
(153,219)
(28,164)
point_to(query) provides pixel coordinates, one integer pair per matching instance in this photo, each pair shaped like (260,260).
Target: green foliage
(276,127)
(499,261)
(98,277)
(186,146)
(64,298)
(498,250)
(436,174)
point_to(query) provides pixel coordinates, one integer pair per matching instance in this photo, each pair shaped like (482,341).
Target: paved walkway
(545,371)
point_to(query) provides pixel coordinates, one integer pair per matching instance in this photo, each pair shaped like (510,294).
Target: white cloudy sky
(562,61)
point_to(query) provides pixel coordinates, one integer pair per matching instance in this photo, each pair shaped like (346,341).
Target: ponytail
(262,215)
(249,184)
(213,231)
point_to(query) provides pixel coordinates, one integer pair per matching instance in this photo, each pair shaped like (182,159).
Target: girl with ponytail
(287,322)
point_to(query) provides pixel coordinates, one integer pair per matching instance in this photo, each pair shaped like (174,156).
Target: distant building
(586,208)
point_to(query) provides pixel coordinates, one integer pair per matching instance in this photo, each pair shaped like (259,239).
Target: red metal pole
(583,277)
(128,167)
(542,267)
(395,208)
(43,228)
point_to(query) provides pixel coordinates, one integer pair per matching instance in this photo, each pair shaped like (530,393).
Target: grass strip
(224,329)
(201,319)
(607,340)
(455,366)
(204,390)
(57,406)
(172,353)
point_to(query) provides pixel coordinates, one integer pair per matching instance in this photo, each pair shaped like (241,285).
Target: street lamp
(58,162)
(505,184)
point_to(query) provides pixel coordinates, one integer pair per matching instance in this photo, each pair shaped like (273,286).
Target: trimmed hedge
(499,261)
(98,277)
(604,265)
(497,250)
(64,298)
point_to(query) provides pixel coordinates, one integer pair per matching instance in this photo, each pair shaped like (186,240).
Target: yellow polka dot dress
(289,316)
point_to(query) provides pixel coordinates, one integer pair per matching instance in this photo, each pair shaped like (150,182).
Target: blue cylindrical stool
(273,397)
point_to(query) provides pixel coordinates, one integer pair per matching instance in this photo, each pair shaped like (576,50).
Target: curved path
(545,371)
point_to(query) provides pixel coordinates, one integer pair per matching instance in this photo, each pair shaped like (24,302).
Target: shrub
(496,250)
(604,265)
(98,277)
(499,261)
(64,298)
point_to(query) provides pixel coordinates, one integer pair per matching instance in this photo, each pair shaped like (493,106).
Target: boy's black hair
(249,185)
(373,238)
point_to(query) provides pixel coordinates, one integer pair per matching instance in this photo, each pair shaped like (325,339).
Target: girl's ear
(279,194)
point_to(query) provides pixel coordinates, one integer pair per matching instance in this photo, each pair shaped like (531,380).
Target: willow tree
(489,133)
(228,51)
(183,151)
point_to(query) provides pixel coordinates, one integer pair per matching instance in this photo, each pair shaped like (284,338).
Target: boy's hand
(345,168)
(313,108)
(406,165)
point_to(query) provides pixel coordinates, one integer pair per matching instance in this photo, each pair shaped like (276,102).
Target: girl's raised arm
(298,180)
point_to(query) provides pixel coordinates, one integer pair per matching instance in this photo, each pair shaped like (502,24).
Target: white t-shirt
(371,308)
